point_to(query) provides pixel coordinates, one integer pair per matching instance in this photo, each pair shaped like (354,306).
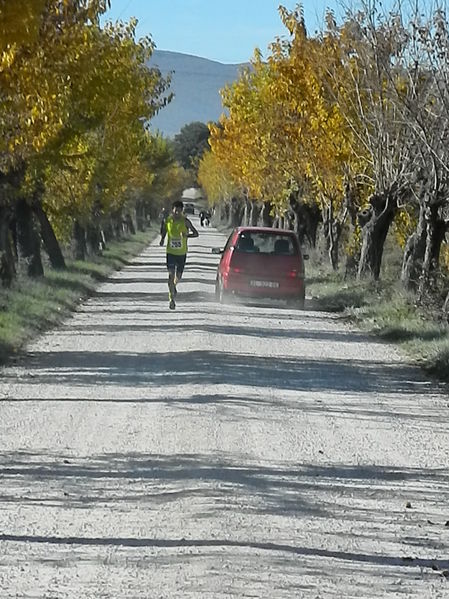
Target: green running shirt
(177,232)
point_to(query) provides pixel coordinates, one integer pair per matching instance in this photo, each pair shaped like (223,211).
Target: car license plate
(264,284)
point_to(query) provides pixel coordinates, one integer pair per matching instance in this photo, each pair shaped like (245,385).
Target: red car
(261,262)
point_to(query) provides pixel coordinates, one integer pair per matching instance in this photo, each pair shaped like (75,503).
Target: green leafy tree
(190,144)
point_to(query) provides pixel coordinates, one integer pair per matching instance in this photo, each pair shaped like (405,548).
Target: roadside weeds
(385,309)
(30,307)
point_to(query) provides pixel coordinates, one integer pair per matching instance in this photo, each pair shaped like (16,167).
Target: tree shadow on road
(369,499)
(209,367)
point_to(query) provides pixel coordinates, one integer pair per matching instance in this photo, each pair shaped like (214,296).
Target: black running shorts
(176,263)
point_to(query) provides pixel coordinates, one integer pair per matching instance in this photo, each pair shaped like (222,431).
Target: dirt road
(218,451)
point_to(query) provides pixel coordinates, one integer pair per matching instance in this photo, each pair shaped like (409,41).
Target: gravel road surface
(218,451)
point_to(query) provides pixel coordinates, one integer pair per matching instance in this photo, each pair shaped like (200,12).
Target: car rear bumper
(288,288)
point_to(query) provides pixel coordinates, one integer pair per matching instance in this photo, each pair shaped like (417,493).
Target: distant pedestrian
(204,218)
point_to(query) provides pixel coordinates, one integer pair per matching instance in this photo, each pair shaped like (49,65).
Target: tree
(285,141)
(216,181)
(190,144)
(37,47)
(422,95)
(365,53)
(168,178)
(74,101)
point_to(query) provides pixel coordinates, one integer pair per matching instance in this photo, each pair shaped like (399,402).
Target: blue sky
(222,30)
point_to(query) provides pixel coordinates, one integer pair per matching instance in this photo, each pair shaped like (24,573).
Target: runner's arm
(192,232)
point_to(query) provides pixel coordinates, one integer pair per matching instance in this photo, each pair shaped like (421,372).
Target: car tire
(297,302)
(217,291)
(220,292)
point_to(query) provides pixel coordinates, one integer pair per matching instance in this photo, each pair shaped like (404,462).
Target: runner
(177,228)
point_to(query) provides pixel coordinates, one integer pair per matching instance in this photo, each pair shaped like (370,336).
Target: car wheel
(220,292)
(297,302)
(217,291)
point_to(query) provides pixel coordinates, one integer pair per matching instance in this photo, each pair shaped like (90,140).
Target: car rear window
(267,243)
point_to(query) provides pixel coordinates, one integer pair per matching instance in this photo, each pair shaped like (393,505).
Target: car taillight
(293,274)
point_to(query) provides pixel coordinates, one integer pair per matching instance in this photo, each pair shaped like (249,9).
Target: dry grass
(30,307)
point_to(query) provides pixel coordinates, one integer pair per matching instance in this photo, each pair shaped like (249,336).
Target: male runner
(177,228)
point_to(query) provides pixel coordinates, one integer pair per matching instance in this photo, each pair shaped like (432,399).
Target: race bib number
(176,244)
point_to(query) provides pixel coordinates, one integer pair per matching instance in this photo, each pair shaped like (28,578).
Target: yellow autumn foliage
(75,102)
(284,122)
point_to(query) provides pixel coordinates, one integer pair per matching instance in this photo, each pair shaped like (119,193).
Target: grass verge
(385,309)
(31,307)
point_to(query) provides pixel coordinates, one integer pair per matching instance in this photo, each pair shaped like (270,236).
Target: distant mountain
(196,83)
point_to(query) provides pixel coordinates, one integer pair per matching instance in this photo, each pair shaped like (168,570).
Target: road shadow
(218,486)
(162,280)
(248,408)
(109,368)
(149,297)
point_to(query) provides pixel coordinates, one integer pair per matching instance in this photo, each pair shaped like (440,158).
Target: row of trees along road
(349,129)
(77,159)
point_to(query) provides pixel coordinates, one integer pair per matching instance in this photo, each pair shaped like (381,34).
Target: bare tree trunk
(312,215)
(108,230)
(93,239)
(229,213)
(265,218)
(332,230)
(422,251)
(246,217)
(435,233)
(279,221)
(224,212)
(236,212)
(255,214)
(130,224)
(289,220)
(28,239)
(375,223)
(79,241)
(220,210)
(7,262)
(352,255)
(140,216)
(441,229)
(446,307)
(305,221)
(51,244)
(414,254)
(250,212)
(8,230)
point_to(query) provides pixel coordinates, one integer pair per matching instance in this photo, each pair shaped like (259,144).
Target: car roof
(272,230)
